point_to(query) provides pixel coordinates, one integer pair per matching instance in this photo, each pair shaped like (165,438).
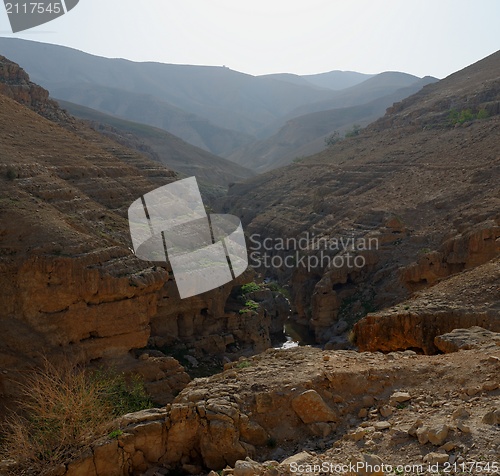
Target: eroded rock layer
(422,183)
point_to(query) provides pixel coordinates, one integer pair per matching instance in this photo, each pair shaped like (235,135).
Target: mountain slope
(423,181)
(65,256)
(163,147)
(305,135)
(72,290)
(147,109)
(227,98)
(373,88)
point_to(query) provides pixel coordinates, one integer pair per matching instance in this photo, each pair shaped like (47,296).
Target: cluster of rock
(283,410)
(15,83)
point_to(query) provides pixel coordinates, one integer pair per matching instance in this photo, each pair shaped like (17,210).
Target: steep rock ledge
(15,83)
(464,300)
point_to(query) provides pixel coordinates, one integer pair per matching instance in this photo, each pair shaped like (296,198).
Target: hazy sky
(422,37)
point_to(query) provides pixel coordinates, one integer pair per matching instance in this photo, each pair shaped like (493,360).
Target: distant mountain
(226,98)
(147,109)
(164,147)
(216,109)
(290,78)
(373,88)
(337,80)
(423,182)
(305,135)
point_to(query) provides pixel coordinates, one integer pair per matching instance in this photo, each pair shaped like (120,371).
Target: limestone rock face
(311,408)
(464,251)
(416,323)
(471,338)
(212,322)
(15,83)
(424,199)
(231,417)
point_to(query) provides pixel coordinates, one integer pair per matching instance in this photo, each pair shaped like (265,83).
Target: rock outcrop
(464,339)
(462,301)
(305,406)
(70,282)
(15,83)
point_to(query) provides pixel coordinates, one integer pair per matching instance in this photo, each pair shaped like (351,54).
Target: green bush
(483,114)
(243,364)
(250,288)
(115,434)
(250,306)
(123,395)
(465,115)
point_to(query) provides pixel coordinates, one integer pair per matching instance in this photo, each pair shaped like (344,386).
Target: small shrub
(356,128)
(124,396)
(115,434)
(465,115)
(332,139)
(483,114)
(250,306)
(244,364)
(250,288)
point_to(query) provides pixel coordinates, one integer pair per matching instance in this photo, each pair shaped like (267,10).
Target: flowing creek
(296,335)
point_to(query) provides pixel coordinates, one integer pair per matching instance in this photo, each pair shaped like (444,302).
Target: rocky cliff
(70,283)
(462,301)
(416,192)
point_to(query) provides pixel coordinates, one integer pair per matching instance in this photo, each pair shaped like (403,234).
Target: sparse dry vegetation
(62,410)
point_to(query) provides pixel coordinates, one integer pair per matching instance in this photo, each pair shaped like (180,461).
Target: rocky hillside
(211,171)
(307,134)
(389,241)
(306,411)
(70,283)
(421,183)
